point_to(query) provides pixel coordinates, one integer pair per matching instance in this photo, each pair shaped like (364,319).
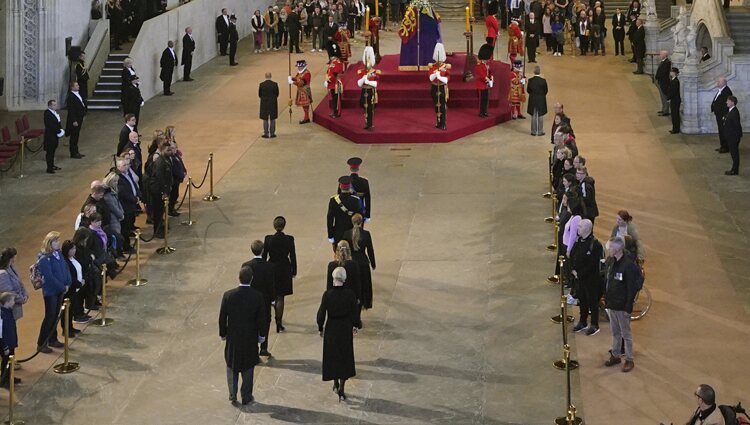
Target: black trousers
(50,154)
(531,49)
(440,101)
(334,102)
(369,105)
(174,194)
(223,41)
(484,101)
(157,212)
(584,43)
(48,329)
(619,47)
(639,63)
(167,84)
(674,107)
(75,134)
(734,150)
(588,302)
(126,227)
(232,52)
(188,64)
(720,127)
(294,41)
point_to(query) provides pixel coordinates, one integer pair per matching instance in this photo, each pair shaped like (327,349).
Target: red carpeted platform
(405,113)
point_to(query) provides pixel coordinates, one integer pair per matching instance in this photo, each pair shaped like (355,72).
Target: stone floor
(460,330)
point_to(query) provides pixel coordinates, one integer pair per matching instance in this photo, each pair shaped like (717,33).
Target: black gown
(339,313)
(364,257)
(279,250)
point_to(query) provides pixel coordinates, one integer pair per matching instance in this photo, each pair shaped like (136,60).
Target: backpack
(36,277)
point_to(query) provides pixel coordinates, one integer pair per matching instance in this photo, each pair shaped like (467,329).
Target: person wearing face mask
(51,265)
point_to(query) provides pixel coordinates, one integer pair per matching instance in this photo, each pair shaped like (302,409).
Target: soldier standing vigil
(304,94)
(341,208)
(483,78)
(439,77)
(333,80)
(516,94)
(368,81)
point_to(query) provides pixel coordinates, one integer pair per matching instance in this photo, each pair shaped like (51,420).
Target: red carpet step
(405,113)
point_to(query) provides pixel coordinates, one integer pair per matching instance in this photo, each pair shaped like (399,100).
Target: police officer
(360,185)
(341,208)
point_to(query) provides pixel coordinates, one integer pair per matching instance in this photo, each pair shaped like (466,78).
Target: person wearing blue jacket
(52,267)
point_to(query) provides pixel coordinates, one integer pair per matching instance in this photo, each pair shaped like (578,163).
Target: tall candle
(367,18)
(468,27)
(471,8)
(377,4)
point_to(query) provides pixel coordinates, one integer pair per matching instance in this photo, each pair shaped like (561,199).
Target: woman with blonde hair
(344,259)
(53,269)
(364,255)
(170,133)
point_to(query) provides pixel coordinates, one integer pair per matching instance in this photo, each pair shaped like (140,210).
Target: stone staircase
(107,92)
(739,27)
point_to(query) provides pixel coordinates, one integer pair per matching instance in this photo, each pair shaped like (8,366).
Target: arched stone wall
(710,14)
(704,39)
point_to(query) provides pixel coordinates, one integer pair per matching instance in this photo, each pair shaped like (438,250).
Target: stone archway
(703,39)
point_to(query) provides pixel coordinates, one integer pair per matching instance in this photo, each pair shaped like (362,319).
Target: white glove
(434,75)
(523,81)
(491,83)
(330,240)
(325,83)
(143,103)
(290,80)
(367,220)
(372,84)
(361,81)
(61,133)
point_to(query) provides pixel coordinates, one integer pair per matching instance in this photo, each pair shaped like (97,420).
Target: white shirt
(78,95)
(79,269)
(226,19)
(718,93)
(55,114)
(171,50)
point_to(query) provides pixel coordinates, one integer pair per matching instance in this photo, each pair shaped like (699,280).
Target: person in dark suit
(234,38)
(733,134)
(222,31)
(168,63)
(704,54)
(126,75)
(341,208)
(128,194)
(639,46)
(719,109)
(188,47)
(338,321)
(363,254)
(124,137)
(583,31)
(241,322)
(618,31)
(662,81)
(136,159)
(82,76)
(537,90)
(293,27)
(268,92)
(159,186)
(587,192)
(674,99)
(132,99)
(74,121)
(360,185)
(263,282)
(279,250)
(533,32)
(53,131)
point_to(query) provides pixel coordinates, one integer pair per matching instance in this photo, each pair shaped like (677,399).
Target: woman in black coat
(279,250)
(339,313)
(364,255)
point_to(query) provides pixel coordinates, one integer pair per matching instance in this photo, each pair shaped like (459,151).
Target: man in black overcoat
(675,100)
(719,109)
(132,99)
(124,138)
(53,131)
(618,31)
(241,320)
(222,31)
(160,186)
(341,208)
(168,63)
(263,282)
(639,46)
(234,38)
(188,47)
(534,31)
(293,27)
(268,92)
(662,81)
(74,121)
(536,87)
(733,134)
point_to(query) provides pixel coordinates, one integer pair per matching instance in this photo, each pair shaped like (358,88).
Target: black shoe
(731,173)
(342,396)
(50,171)
(234,64)
(44,349)
(660,113)
(300,51)
(521,117)
(174,213)
(273,136)
(159,235)
(637,72)
(280,328)
(264,353)
(265,136)
(632,61)
(187,79)
(169,93)
(56,168)
(723,150)
(665,115)
(305,121)
(56,344)
(248,401)
(77,156)
(82,319)
(580,326)
(674,131)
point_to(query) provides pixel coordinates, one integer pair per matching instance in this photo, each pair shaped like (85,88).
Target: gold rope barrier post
(564,312)
(211,197)
(551,219)
(66,366)
(104,320)
(551,189)
(12,393)
(166,249)
(555,233)
(190,220)
(23,155)
(565,363)
(570,417)
(138,281)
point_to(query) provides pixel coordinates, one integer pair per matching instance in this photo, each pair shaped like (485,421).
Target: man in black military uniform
(82,76)
(341,208)
(360,185)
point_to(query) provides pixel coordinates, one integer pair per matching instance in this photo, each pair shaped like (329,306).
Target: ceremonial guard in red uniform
(374,28)
(517,93)
(333,80)
(304,94)
(483,78)
(515,41)
(342,38)
(439,76)
(368,80)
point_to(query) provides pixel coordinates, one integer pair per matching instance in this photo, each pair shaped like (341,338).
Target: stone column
(689,80)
